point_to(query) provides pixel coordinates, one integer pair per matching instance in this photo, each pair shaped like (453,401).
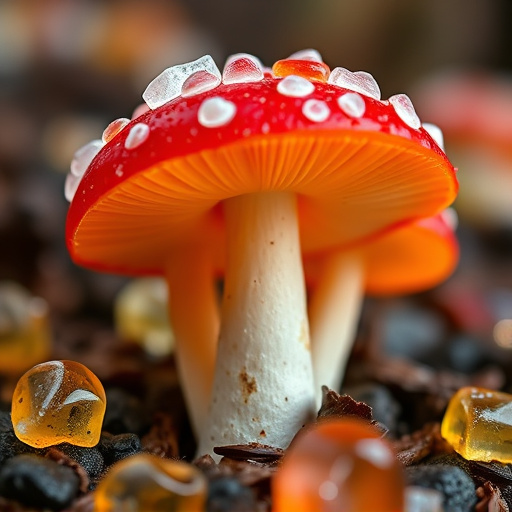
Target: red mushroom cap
(358,165)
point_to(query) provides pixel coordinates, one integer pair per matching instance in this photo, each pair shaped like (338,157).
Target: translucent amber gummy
(478,424)
(141,315)
(308,69)
(339,465)
(148,483)
(25,338)
(57,402)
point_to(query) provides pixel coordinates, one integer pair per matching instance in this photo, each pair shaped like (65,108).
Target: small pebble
(38,482)
(226,494)
(90,459)
(385,409)
(5,421)
(10,446)
(124,413)
(115,448)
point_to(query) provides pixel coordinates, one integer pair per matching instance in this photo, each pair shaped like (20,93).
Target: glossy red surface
(262,113)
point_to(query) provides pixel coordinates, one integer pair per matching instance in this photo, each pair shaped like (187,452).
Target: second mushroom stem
(194,316)
(263,387)
(334,314)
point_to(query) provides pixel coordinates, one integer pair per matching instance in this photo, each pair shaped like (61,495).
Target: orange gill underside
(350,186)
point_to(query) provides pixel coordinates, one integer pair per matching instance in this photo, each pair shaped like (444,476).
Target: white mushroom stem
(195,319)
(334,312)
(263,388)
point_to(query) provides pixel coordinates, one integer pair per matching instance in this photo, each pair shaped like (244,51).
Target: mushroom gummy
(57,402)
(149,483)
(339,465)
(240,175)
(478,424)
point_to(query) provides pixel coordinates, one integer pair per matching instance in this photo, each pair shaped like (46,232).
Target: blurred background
(67,68)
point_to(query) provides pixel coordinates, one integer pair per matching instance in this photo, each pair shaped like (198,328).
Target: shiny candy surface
(141,315)
(57,402)
(331,467)
(25,337)
(478,424)
(150,483)
(113,129)
(242,68)
(192,140)
(309,69)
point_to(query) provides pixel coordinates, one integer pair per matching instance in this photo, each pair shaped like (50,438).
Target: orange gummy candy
(340,465)
(309,69)
(57,402)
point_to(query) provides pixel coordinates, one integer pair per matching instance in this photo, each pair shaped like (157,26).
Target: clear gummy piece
(359,81)
(405,110)
(70,186)
(436,133)
(308,54)
(198,82)
(84,156)
(167,85)
(242,68)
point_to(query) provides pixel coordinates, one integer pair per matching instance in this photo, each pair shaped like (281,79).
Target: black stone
(115,448)
(124,413)
(37,482)
(90,459)
(227,494)
(10,446)
(385,409)
(453,482)
(5,421)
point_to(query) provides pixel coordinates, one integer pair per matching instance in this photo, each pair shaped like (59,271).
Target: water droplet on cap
(114,128)
(295,86)
(138,134)
(316,110)
(405,110)
(359,81)
(198,82)
(167,85)
(352,104)
(215,112)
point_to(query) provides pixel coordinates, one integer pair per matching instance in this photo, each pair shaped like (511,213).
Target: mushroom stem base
(263,387)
